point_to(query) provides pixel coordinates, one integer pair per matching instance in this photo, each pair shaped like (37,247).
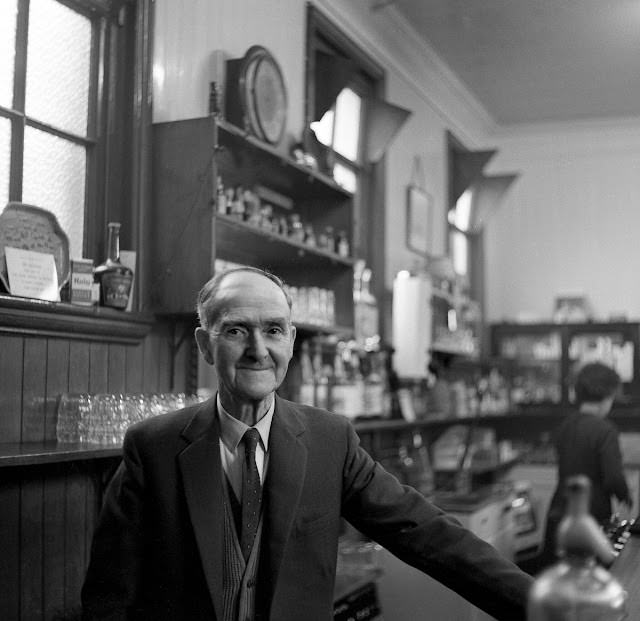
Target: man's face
(251,340)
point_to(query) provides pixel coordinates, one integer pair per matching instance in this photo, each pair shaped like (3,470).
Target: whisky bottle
(114,278)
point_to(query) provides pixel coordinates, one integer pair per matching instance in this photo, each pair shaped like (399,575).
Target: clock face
(263,95)
(270,99)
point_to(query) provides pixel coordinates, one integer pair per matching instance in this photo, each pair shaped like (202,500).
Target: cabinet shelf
(186,235)
(238,241)
(299,179)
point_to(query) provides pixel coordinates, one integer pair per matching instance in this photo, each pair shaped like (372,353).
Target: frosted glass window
(346,178)
(8,16)
(347,130)
(58,58)
(460,217)
(323,129)
(54,178)
(460,252)
(5,152)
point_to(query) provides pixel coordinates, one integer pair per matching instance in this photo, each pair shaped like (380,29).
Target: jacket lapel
(202,477)
(285,477)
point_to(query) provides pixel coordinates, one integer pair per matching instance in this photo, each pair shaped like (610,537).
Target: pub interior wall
(569,225)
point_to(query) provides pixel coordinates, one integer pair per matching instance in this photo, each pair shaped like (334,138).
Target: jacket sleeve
(416,531)
(113,573)
(614,481)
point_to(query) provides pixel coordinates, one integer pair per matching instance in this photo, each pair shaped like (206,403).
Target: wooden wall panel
(78,367)
(98,367)
(151,360)
(117,369)
(75,538)
(11,373)
(31,549)
(53,542)
(48,513)
(134,365)
(9,536)
(34,389)
(57,382)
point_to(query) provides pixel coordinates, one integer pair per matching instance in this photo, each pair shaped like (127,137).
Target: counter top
(626,568)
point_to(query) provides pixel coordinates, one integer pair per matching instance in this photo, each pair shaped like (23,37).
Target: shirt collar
(232,430)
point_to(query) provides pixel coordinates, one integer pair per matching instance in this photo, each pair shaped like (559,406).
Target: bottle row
(245,205)
(313,305)
(344,378)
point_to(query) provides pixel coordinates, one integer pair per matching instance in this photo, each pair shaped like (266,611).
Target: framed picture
(419,216)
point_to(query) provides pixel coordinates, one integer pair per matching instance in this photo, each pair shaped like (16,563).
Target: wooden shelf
(42,318)
(299,177)
(36,453)
(241,243)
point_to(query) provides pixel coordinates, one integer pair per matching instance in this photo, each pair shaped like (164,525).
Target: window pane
(8,15)
(54,178)
(460,217)
(58,58)
(323,128)
(347,132)
(346,178)
(460,252)
(5,152)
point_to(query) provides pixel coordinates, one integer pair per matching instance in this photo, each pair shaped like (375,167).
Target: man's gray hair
(205,308)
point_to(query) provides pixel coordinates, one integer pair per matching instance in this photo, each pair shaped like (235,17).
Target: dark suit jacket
(157,551)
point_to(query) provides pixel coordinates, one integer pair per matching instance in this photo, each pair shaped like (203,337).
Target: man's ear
(204,344)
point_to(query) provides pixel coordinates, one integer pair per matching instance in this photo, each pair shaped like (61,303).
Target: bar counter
(626,568)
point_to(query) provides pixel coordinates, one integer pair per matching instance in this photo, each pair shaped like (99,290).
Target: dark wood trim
(35,453)
(40,318)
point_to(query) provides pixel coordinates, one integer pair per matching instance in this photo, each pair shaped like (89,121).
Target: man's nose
(256,345)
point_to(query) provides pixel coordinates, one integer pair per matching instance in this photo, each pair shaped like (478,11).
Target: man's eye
(276,330)
(235,332)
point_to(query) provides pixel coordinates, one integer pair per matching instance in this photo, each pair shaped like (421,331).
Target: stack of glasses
(104,418)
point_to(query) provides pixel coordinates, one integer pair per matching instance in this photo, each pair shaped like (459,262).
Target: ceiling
(530,61)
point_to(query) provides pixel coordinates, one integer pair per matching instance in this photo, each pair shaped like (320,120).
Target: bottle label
(115,289)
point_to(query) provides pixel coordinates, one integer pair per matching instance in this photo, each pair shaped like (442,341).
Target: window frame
(118,137)
(369,80)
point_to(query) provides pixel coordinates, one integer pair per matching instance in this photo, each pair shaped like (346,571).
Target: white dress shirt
(232,454)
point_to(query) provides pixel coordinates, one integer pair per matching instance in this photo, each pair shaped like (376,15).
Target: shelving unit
(187,235)
(543,357)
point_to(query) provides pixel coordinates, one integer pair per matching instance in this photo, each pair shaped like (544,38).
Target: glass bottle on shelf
(296,228)
(114,278)
(577,587)
(365,307)
(342,245)
(321,381)
(221,197)
(307,388)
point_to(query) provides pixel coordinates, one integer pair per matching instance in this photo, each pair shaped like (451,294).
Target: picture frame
(419,220)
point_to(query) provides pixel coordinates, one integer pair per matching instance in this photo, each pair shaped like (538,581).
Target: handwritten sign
(32,274)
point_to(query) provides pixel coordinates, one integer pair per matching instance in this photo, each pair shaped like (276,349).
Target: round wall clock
(263,95)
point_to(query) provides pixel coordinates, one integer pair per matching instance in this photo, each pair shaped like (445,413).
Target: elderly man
(231,509)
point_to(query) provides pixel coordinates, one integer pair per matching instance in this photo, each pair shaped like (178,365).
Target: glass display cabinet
(544,357)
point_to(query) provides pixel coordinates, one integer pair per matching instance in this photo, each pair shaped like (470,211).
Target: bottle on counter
(578,586)
(114,278)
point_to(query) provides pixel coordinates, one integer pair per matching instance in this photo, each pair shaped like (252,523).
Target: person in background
(231,509)
(587,443)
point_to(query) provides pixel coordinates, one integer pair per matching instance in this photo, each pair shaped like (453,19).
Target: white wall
(569,224)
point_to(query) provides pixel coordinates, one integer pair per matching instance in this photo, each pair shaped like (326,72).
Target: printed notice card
(32,274)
